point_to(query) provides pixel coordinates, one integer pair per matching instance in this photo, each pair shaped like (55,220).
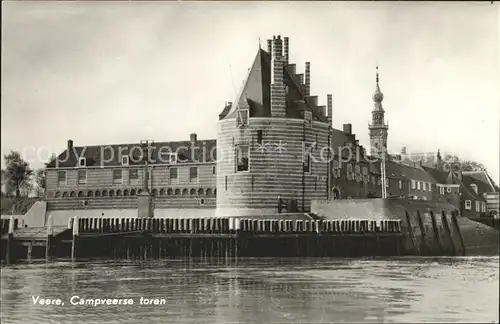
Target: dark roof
(109,155)
(396,170)
(256,93)
(438,175)
(481,179)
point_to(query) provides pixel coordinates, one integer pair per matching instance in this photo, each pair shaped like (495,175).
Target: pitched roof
(255,93)
(482,179)
(396,170)
(110,155)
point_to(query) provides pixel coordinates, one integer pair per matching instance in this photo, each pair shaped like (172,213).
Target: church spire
(378,96)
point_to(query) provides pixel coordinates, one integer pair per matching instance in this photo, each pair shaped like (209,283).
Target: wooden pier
(146,238)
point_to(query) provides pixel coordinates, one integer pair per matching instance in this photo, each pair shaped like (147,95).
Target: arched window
(215,192)
(177,192)
(119,192)
(57,195)
(73,194)
(192,192)
(155,192)
(200,192)
(104,193)
(111,193)
(125,192)
(98,193)
(170,192)
(139,191)
(208,193)
(65,194)
(80,193)
(90,194)
(185,192)
(162,192)
(132,192)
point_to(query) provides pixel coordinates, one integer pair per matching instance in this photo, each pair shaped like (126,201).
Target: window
(82,162)
(418,185)
(308,119)
(82,176)
(173,175)
(134,176)
(202,201)
(387,182)
(61,177)
(413,184)
(349,171)
(477,205)
(307,164)
(357,169)
(117,176)
(242,158)
(424,186)
(242,117)
(400,184)
(125,160)
(441,190)
(379,181)
(172,158)
(468,204)
(214,170)
(373,179)
(259,136)
(448,189)
(193,174)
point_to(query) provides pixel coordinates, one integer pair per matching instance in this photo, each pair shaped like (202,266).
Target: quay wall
(432,228)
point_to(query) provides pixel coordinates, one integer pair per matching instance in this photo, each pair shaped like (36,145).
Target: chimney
(277,47)
(193,137)
(347,129)
(312,100)
(286,49)
(70,145)
(278,92)
(403,150)
(270,46)
(329,109)
(308,79)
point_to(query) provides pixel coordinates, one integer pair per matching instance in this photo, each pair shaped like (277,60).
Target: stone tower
(378,128)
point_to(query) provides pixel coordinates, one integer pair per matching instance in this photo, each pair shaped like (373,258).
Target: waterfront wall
(430,227)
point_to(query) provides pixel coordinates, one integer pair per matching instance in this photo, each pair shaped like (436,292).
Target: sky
(121,72)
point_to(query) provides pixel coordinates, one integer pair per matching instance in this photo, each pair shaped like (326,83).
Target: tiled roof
(110,155)
(256,93)
(439,176)
(482,180)
(400,171)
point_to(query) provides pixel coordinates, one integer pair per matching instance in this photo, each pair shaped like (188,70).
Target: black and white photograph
(250,162)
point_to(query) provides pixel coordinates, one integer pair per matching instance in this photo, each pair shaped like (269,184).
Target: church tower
(378,129)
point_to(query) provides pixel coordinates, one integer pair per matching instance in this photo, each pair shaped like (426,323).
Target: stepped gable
(255,93)
(159,155)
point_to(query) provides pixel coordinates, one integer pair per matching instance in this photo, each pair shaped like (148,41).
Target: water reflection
(258,290)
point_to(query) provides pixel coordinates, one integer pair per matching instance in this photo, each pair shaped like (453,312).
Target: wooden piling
(75,236)
(10,242)
(50,233)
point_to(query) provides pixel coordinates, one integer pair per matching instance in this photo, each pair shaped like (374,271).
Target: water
(258,291)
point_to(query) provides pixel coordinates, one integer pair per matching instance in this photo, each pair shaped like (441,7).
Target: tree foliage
(454,163)
(17,173)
